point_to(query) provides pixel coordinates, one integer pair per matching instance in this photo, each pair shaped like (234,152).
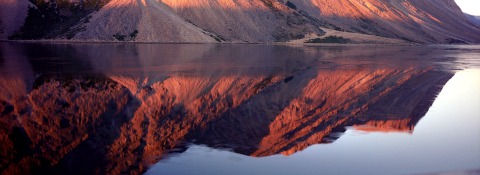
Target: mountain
(155,21)
(474,19)
(427,21)
(201,21)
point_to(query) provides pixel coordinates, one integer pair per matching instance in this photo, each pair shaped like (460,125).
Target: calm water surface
(238,109)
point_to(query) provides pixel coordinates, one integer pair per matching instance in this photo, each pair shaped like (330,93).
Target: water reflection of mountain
(117,109)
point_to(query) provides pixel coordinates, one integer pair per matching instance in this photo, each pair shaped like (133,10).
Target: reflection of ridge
(60,121)
(249,121)
(259,117)
(386,126)
(297,120)
(405,105)
(335,134)
(113,123)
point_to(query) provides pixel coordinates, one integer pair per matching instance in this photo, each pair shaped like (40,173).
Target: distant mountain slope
(251,21)
(474,19)
(427,21)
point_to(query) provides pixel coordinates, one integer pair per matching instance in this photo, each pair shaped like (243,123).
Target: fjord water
(445,140)
(238,109)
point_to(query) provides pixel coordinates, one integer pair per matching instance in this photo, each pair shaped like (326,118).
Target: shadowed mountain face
(112,109)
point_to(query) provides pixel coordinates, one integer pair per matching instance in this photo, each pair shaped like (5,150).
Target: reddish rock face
(129,116)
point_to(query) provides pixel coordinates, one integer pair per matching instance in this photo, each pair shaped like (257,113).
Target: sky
(469,6)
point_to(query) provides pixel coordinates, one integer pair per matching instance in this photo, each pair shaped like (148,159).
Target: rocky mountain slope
(246,20)
(145,20)
(474,19)
(428,21)
(12,16)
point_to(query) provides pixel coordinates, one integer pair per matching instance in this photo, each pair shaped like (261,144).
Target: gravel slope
(245,20)
(154,21)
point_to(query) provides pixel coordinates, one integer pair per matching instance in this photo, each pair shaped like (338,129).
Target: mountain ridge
(474,19)
(257,21)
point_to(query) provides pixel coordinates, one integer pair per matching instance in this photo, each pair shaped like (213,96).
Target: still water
(238,109)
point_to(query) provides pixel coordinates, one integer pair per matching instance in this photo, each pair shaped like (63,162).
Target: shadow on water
(118,108)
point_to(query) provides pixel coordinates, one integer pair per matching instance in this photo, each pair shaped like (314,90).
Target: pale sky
(470,6)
